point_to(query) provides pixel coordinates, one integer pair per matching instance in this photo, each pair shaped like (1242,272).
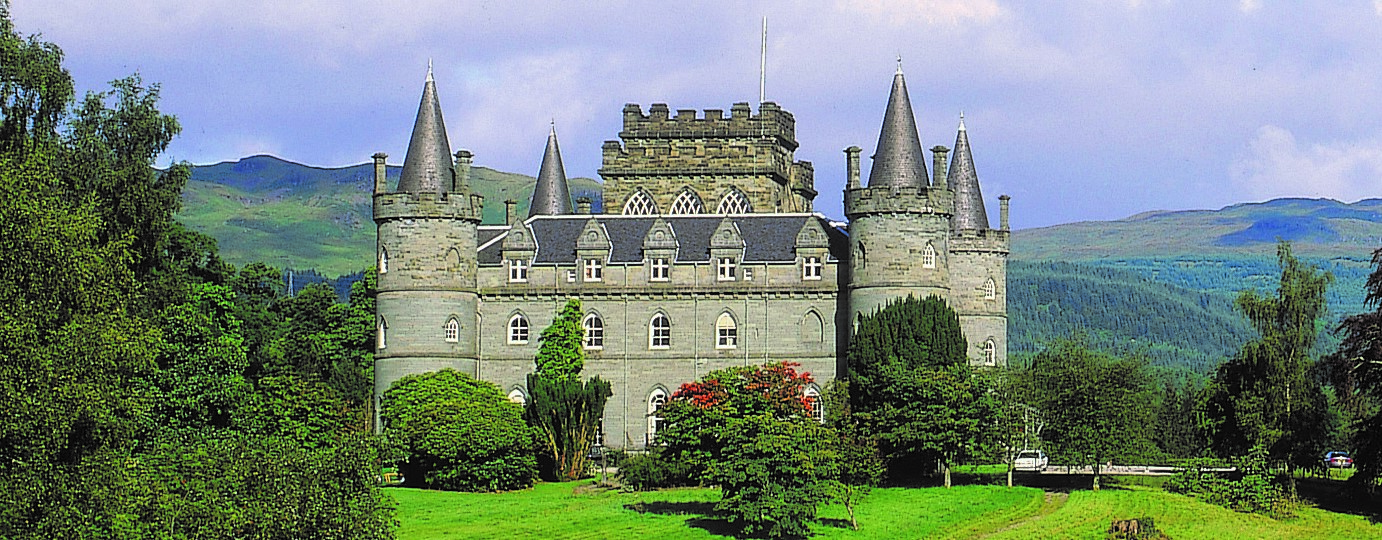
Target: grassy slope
(554,511)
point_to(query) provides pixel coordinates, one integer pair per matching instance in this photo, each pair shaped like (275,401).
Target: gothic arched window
(659,332)
(517,396)
(518,329)
(990,353)
(656,400)
(812,328)
(383,260)
(990,289)
(594,331)
(640,204)
(734,202)
(817,405)
(453,330)
(726,332)
(928,256)
(687,203)
(380,340)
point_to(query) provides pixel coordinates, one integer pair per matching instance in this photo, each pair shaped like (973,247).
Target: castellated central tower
(426,256)
(917,234)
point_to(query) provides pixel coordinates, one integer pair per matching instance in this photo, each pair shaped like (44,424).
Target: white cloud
(1276,165)
(1249,6)
(907,12)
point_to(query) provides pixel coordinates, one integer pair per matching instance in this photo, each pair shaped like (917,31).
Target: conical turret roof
(551,195)
(969,202)
(898,160)
(428,167)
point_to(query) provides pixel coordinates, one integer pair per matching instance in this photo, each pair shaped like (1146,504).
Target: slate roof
(427,168)
(969,200)
(898,161)
(551,195)
(767,237)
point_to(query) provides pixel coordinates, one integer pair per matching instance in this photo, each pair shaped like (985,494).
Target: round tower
(426,254)
(899,224)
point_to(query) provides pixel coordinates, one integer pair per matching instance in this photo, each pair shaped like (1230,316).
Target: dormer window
(518,270)
(811,268)
(724,269)
(928,256)
(594,269)
(659,269)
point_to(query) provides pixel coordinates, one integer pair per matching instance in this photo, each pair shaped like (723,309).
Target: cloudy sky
(1080,110)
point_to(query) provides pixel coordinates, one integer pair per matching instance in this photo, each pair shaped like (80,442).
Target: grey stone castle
(708,255)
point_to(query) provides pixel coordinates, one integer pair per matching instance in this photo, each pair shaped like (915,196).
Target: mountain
(262,208)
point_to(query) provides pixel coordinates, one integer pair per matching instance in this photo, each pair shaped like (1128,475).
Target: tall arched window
(656,400)
(990,353)
(928,256)
(687,202)
(659,332)
(383,259)
(812,328)
(594,331)
(734,202)
(990,289)
(380,340)
(640,204)
(726,333)
(817,405)
(518,329)
(517,396)
(453,330)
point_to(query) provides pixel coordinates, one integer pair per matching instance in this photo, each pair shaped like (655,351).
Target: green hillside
(263,208)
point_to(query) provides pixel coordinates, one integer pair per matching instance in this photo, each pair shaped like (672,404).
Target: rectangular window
(570,276)
(594,271)
(748,274)
(727,338)
(518,271)
(811,268)
(659,270)
(724,269)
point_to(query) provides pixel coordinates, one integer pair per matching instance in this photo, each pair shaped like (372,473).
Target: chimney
(463,159)
(852,167)
(381,182)
(1003,211)
(938,153)
(583,205)
(510,211)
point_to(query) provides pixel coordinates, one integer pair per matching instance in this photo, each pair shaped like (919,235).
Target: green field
(567,510)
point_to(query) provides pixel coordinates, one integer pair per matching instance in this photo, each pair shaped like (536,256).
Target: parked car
(1031,460)
(1337,460)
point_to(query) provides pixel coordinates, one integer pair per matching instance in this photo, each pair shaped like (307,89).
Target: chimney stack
(1003,211)
(463,159)
(381,182)
(852,167)
(583,205)
(510,211)
(938,154)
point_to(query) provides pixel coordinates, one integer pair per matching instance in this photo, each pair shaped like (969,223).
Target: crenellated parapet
(980,240)
(771,121)
(898,200)
(391,206)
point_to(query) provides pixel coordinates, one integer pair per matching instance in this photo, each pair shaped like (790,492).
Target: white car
(1031,460)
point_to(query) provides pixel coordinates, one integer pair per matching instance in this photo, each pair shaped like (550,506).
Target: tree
(912,387)
(1360,354)
(565,411)
(1097,408)
(459,432)
(857,466)
(1265,395)
(750,430)
(202,361)
(34,89)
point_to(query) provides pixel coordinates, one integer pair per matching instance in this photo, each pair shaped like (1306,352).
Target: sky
(1079,110)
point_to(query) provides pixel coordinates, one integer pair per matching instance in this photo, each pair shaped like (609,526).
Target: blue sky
(1079,110)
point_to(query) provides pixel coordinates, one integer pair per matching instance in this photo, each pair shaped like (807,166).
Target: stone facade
(708,256)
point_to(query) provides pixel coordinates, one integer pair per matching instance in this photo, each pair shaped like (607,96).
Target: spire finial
(429,70)
(962,120)
(554,127)
(899,64)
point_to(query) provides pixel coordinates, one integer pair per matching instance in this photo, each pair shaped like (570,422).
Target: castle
(708,255)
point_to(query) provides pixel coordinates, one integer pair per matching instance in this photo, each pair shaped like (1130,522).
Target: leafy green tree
(202,361)
(857,466)
(1097,408)
(1359,378)
(565,411)
(1265,395)
(302,410)
(459,432)
(912,387)
(34,89)
(750,430)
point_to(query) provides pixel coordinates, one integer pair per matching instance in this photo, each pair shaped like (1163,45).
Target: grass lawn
(560,511)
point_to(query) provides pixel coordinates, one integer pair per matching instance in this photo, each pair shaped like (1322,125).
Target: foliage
(1265,395)
(912,388)
(655,469)
(305,411)
(1359,378)
(750,430)
(34,89)
(459,433)
(1097,407)
(202,361)
(560,355)
(1179,432)
(566,413)
(1250,488)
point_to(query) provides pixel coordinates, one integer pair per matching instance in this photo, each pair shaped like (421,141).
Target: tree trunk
(1010,475)
(947,475)
(1096,478)
(853,524)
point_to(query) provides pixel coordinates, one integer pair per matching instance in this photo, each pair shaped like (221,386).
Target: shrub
(653,470)
(1250,489)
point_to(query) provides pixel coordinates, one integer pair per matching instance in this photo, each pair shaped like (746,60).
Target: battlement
(389,206)
(899,200)
(983,240)
(771,121)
